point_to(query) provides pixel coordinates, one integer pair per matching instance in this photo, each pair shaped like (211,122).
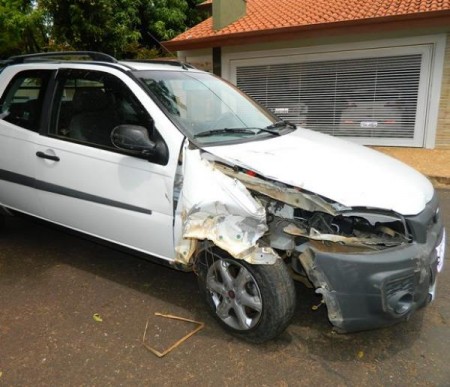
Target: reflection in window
(368,97)
(90,104)
(22,101)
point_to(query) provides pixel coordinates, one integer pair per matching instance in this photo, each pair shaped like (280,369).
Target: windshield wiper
(237,130)
(281,124)
(224,131)
(267,130)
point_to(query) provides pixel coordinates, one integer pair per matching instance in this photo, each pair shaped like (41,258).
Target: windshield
(208,109)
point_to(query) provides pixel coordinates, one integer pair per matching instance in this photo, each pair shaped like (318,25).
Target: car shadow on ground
(32,249)
(311,329)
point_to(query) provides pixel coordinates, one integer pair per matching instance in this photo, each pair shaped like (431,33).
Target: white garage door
(377,100)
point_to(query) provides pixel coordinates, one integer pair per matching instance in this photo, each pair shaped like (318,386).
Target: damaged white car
(180,167)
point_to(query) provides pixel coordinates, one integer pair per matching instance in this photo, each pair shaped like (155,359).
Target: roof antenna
(162,45)
(183,65)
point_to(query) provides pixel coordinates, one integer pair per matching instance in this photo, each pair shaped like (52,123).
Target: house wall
(201,59)
(443,126)
(438,117)
(334,39)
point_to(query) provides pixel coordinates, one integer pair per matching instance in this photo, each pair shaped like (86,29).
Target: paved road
(51,285)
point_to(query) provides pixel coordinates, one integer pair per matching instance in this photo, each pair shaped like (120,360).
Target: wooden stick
(172,347)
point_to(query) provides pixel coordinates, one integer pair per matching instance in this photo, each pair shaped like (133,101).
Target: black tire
(271,284)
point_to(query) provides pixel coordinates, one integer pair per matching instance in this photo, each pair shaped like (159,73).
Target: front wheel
(253,302)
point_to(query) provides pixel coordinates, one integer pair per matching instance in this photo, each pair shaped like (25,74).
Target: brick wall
(443,127)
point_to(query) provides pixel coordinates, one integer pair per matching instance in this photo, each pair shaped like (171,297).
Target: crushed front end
(371,289)
(373,267)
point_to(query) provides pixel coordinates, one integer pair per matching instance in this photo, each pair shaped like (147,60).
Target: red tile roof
(264,15)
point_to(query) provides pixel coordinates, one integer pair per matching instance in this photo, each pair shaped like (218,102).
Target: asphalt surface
(52,284)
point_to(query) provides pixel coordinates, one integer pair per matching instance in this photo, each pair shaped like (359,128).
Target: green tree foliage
(130,28)
(167,18)
(99,25)
(22,27)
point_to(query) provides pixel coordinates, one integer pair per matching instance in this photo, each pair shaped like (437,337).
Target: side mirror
(133,138)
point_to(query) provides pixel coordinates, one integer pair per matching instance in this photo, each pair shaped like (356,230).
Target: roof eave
(434,19)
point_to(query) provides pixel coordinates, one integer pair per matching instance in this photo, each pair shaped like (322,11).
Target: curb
(440,181)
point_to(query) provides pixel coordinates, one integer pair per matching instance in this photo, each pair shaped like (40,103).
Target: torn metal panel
(185,249)
(235,234)
(291,196)
(351,241)
(219,208)
(203,185)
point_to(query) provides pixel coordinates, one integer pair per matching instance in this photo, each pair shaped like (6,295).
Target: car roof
(63,58)
(156,65)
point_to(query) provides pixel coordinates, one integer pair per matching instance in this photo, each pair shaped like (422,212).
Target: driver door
(89,185)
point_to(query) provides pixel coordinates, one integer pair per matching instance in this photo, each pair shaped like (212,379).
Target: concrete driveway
(52,283)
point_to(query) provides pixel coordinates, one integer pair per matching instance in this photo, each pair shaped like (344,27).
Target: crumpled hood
(348,173)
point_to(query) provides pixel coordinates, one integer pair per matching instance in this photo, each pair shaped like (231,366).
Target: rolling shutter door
(360,98)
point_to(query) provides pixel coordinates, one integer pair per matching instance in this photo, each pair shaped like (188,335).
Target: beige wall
(443,126)
(203,59)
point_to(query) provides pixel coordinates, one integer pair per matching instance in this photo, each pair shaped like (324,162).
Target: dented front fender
(220,209)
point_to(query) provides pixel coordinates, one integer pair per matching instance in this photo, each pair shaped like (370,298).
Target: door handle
(43,155)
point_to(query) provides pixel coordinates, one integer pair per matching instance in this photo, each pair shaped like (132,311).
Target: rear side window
(22,101)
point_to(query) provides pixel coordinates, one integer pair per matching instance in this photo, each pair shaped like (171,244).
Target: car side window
(88,105)
(22,101)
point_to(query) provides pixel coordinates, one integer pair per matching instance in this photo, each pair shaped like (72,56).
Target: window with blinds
(362,98)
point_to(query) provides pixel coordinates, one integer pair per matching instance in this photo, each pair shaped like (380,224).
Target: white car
(178,166)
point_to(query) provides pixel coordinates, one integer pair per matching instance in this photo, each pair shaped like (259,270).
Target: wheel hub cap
(235,294)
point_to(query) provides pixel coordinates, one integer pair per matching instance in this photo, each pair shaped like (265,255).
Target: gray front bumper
(374,289)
